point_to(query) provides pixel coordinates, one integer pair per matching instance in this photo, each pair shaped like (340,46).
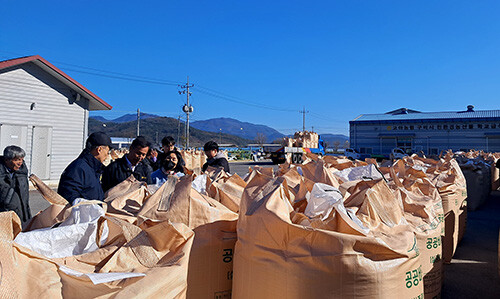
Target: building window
(464,127)
(439,127)
(493,126)
(486,126)
(412,128)
(431,127)
(365,150)
(479,126)
(471,126)
(433,151)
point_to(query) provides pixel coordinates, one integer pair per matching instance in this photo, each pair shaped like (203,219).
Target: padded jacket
(219,161)
(14,191)
(81,179)
(119,170)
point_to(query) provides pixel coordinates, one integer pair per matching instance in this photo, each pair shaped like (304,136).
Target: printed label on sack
(421,296)
(413,277)
(434,259)
(433,243)
(227,257)
(415,247)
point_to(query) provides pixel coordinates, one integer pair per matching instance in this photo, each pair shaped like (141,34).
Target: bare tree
(336,145)
(347,144)
(260,139)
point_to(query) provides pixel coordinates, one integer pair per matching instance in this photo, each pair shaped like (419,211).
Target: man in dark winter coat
(81,178)
(130,164)
(14,190)
(214,157)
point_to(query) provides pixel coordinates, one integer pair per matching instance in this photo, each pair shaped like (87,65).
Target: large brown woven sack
(225,188)
(56,212)
(211,259)
(317,172)
(160,252)
(424,211)
(187,156)
(448,178)
(495,173)
(279,254)
(126,199)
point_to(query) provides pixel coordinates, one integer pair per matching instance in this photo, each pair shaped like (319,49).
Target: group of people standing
(86,177)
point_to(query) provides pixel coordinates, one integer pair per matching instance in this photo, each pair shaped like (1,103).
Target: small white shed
(44,111)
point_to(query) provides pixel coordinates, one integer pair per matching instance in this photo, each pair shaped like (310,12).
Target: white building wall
(19,88)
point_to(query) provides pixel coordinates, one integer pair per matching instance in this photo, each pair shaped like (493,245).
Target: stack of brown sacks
(150,234)
(481,173)
(302,139)
(194,159)
(329,227)
(448,179)
(306,234)
(275,230)
(127,263)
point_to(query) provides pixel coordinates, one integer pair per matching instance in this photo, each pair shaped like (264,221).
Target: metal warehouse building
(430,132)
(45,112)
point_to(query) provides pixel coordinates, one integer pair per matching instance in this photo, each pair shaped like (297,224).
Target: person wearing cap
(214,157)
(81,179)
(14,190)
(131,164)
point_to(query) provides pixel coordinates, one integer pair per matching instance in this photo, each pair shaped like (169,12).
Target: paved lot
(473,273)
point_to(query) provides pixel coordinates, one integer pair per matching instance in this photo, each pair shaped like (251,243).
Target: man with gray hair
(14,189)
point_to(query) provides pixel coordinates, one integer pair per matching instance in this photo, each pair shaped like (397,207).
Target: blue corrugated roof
(451,115)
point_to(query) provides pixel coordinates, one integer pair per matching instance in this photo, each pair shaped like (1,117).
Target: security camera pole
(187,108)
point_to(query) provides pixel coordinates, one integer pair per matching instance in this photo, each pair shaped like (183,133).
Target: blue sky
(339,59)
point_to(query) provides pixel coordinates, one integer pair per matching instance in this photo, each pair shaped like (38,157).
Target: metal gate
(41,152)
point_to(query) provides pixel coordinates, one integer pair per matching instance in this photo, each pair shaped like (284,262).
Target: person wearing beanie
(81,179)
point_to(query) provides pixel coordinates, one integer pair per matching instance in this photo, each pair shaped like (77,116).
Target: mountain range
(227,130)
(235,127)
(154,129)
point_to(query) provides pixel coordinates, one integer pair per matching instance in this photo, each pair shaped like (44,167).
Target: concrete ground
(473,272)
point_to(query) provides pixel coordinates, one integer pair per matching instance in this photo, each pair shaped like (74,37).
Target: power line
(149,80)
(247,103)
(122,78)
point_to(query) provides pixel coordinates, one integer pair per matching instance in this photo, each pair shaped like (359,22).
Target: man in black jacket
(130,164)
(14,190)
(214,157)
(81,178)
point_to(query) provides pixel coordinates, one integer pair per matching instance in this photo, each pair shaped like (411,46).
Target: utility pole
(187,108)
(304,118)
(178,128)
(220,136)
(138,121)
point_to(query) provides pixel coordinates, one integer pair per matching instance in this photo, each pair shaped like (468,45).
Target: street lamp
(220,136)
